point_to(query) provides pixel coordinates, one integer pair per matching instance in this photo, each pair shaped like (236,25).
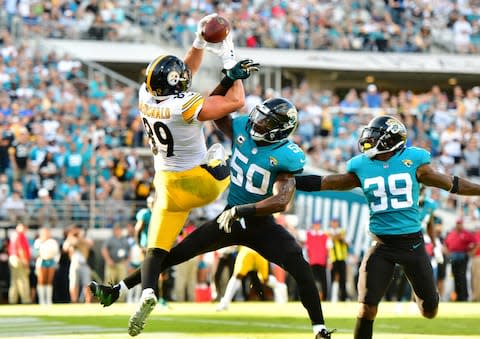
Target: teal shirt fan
(253,169)
(391,189)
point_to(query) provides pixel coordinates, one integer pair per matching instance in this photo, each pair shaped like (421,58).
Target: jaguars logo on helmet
(273,121)
(383,134)
(167,75)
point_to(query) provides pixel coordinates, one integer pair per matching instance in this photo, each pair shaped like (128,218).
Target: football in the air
(216,29)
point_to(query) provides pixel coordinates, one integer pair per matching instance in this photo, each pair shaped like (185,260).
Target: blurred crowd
(74,138)
(62,134)
(371,25)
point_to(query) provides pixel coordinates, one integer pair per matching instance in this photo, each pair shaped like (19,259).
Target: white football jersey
(175,135)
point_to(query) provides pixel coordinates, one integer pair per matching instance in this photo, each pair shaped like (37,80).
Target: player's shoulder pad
(293,158)
(420,155)
(192,103)
(239,124)
(143,94)
(356,163)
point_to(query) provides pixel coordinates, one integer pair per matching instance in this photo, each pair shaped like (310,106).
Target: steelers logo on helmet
(383,134)
(273,121)
(167,75)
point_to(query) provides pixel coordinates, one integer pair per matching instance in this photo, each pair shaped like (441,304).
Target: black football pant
(459,271)
(320,275)
(339,268)
(378,266)
(263,235)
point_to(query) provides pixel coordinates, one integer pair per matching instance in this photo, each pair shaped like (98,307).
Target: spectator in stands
(78,248)
(19,152)
(462,30)
(451,140)
(115,252)
(186,272)
(458,243)
(224,269)
(472,158)
(49,173)
(6,139)
(471,105)
(442,258)
(45,213)
(317,253)
(475,277)
(19,262)
(47,252)
(372,98)
(98,30)
(14,207)
(338,257)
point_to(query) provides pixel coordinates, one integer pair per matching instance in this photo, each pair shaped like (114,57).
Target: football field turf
(248,320)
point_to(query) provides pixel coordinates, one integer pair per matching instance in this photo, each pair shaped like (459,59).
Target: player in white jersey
(173,119)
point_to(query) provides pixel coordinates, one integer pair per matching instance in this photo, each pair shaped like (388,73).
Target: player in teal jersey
(143,220)
(262,169)
(390,175)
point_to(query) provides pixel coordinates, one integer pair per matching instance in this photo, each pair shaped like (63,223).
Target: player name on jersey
(155,112)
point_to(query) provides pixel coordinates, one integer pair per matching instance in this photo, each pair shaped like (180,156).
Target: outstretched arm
(193,59)
(332,182)
(427,175)
(283,189)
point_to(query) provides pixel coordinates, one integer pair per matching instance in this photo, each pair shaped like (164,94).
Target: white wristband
(199,43)
(229,63)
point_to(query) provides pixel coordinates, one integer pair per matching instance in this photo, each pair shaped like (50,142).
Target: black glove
(241,70)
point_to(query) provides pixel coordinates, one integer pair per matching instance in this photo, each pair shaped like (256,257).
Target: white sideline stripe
(243,323)
(31,326)
(17,320)
(55,330)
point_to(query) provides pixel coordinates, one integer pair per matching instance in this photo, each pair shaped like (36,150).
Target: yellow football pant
(248,260)
(177,193)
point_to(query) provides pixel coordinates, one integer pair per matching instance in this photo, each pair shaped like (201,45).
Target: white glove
(226,219)
(225,50)
(199,42)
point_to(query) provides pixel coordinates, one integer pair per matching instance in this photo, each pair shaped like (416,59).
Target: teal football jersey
(429,206)
(254,169)
(144,215)
(391,189)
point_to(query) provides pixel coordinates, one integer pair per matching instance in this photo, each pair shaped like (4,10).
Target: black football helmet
(167,75)
(383,134)
(273,120)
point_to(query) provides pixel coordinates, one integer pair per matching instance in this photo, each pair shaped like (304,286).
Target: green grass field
(249,320)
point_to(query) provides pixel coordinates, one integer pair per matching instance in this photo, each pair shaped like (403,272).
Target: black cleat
(107,294)
(325,334)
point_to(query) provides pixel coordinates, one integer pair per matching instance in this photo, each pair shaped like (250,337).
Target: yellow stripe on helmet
(150,69)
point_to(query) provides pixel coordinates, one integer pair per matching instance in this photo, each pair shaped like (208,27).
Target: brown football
(216,29)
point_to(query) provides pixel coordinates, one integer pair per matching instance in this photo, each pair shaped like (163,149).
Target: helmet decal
(173,77)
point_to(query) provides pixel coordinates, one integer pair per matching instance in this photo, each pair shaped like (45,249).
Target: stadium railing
(87,213)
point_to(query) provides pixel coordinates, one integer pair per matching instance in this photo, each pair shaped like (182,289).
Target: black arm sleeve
(308,183)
